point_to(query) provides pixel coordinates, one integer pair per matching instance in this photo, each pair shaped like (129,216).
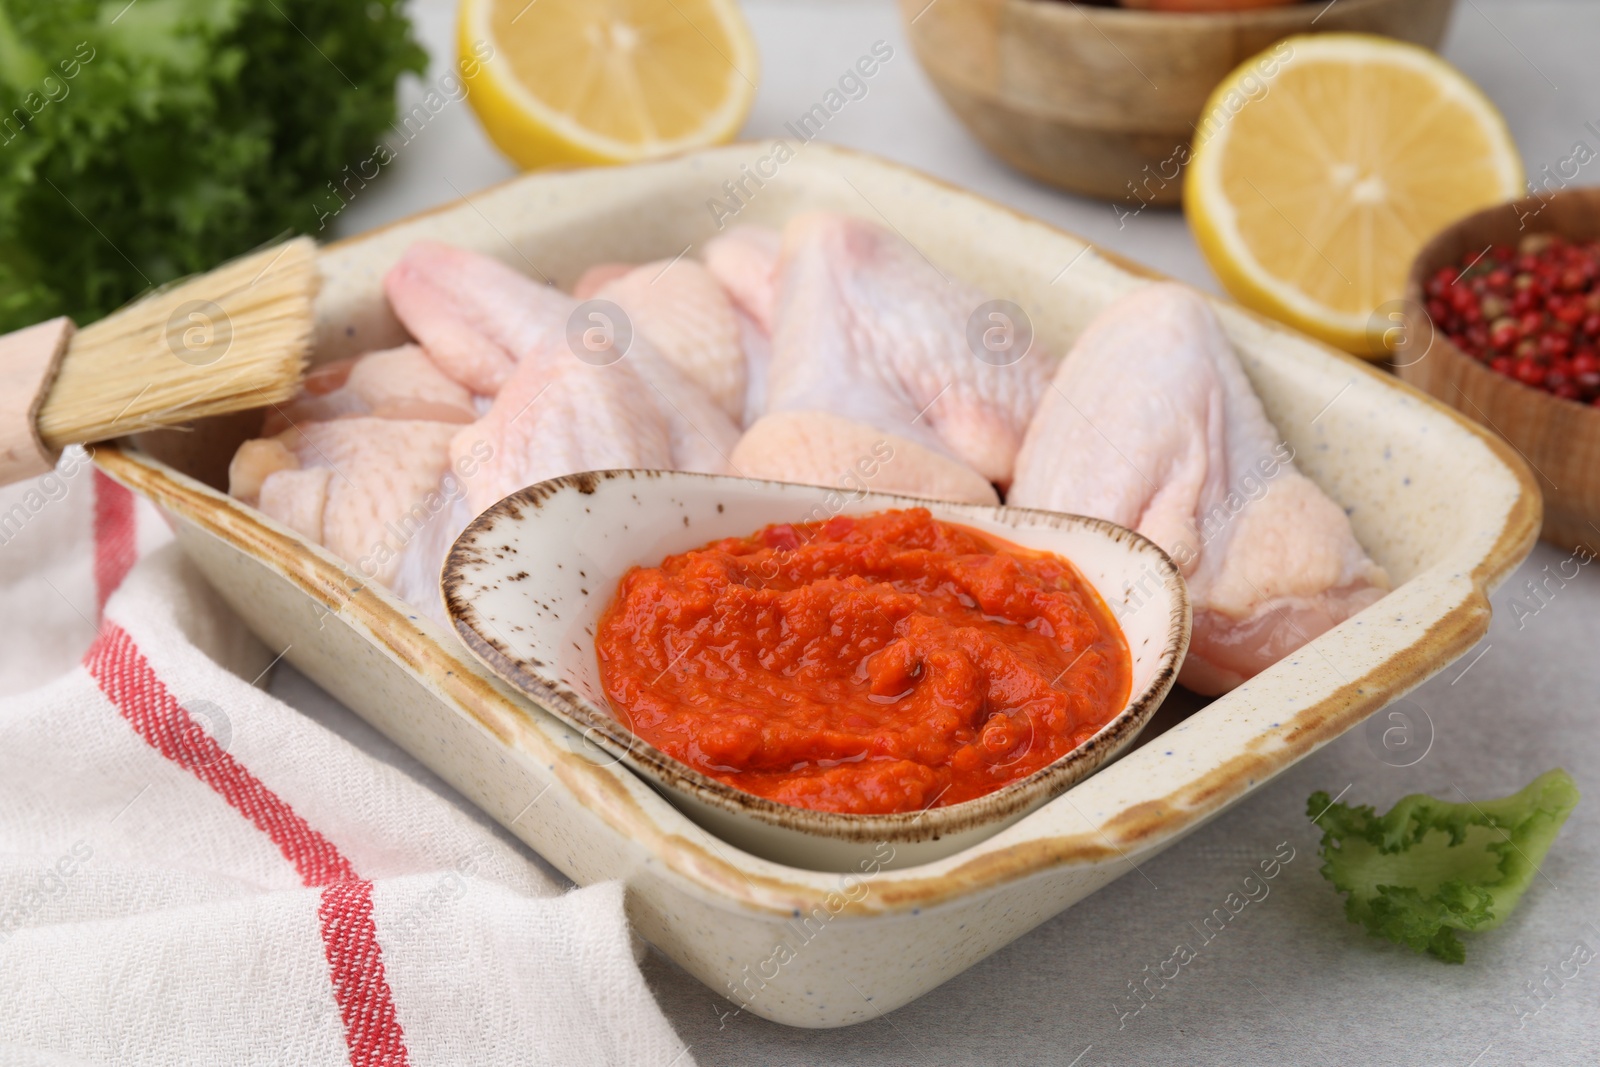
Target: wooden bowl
(1559,438)
(1103,100)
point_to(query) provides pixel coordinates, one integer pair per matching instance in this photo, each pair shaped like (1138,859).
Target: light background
(1289,981)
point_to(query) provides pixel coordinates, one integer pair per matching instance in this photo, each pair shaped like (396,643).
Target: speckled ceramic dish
(580,534)
(1447,509)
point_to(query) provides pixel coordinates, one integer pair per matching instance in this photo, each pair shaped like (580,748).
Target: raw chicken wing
(475,316)
(868,329)
(591,281)
(680,307)
(816,448)
(745,262)
(397,383)
(362,487)
(557,417)
(480,320)
(1152,424)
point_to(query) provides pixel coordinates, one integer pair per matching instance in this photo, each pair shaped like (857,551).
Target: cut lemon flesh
(605,81)
(1321,166)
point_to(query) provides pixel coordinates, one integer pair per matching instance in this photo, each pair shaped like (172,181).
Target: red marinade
(875,664)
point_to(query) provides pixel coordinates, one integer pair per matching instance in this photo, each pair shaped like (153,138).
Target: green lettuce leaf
(1428,868)
(142,142)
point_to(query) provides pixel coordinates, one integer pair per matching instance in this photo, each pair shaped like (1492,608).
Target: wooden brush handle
(29,360)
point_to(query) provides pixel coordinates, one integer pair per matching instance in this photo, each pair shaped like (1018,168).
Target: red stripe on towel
(127,679)
(349,937)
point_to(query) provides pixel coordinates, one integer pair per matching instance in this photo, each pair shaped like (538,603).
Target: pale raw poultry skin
(364,465)
(679,306)
(868,329)
(473,315)
(482,322)
(591,281)
(396,383)
(816,448)
(361,486)
(757,346)
(1193,463)
(557,417)
(327,473)
(745,262)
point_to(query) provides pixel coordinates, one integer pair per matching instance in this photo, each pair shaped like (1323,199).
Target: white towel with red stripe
(193,872)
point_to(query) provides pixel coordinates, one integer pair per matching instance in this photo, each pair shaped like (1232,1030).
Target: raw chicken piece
(1145,373)
(405,378)
(562,417)
(475,316)
(291,474)
(397,383)
(479,319)
(363,487)
(816,448)
(1153,424)
(595,278)
(297,499)
(869,329)
(745,263)
(680,307)
(254,463)
(757,346)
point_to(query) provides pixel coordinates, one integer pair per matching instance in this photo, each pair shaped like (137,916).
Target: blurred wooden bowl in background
(1102,100)
(1202,5)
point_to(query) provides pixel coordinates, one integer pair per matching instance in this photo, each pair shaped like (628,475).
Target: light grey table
(1289,981)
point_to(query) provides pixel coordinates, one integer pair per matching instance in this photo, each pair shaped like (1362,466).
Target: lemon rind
(1214,220)
(535,134)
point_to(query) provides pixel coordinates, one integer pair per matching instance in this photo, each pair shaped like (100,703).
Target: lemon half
(606,81)
(1323,164)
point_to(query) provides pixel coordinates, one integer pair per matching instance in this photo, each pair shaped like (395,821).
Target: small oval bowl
(1104,101)
(526,582)
(1559,438)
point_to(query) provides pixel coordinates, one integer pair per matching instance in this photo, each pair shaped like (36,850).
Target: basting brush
(232,339)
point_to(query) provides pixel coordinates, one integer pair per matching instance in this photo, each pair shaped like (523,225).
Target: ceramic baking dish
(1447,509)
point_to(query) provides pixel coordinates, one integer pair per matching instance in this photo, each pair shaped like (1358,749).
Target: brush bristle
(232,339)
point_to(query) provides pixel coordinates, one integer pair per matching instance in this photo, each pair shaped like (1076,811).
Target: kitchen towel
(193,872)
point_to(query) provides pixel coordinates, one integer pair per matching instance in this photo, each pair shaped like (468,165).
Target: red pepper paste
(876,664)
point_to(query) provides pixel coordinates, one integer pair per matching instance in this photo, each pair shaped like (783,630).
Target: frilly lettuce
(144,141)
(1428,868)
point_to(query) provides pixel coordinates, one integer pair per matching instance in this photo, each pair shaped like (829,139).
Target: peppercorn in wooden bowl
(1503,324)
